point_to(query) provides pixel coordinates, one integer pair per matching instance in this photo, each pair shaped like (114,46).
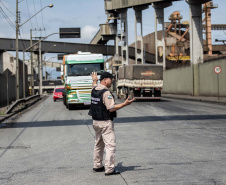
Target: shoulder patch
(109,96)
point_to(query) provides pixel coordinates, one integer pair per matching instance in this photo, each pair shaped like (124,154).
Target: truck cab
(75,75)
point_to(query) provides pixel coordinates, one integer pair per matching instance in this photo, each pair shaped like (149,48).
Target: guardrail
(20,101)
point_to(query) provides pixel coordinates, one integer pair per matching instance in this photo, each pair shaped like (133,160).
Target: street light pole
(24,96)
(17,47)
(40,59)
(32,67)
(17,52)
(40,69)
(44,62)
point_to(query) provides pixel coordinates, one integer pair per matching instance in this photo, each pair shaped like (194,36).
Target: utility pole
(40,69)
(17,52)
(32,66)
(45,66)
(32,63)
(17,44)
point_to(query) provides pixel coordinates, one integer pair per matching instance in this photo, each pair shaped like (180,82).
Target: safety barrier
(19,102)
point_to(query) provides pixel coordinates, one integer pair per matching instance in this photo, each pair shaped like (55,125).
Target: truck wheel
(69,106)
(127,93)
(131,93)
(118,93)
(121,96)
(64,98)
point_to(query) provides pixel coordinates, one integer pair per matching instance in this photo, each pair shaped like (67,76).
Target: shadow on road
(122,168)
(147,119)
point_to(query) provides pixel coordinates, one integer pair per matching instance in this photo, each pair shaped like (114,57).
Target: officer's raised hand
(94,77)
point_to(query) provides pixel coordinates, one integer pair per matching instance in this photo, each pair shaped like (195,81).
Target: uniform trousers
(105,138)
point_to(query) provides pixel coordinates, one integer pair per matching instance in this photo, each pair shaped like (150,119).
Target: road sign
(217,69)
(61,56)
(70,33)
(58,69)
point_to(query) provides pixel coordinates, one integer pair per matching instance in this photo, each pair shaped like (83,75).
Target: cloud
(88,32)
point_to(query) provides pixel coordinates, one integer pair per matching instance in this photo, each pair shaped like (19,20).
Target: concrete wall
(208,78)
(180,80)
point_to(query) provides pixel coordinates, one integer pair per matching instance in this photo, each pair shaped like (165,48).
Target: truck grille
(84,95)
(81,86)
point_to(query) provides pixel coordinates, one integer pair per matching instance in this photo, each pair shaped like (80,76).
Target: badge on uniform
(109,96)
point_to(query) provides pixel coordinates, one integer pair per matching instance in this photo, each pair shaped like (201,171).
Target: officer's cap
(106,75)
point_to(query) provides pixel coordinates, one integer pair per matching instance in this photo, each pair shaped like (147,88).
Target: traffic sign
(217,69)
(70,33)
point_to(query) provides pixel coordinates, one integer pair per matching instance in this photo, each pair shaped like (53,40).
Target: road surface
(171,142)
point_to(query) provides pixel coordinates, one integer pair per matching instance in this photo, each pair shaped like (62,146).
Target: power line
(29,15)
(7,8)
(7,18)
(224,32)
(24,47)
(42,18)
(35,16)
(42,14)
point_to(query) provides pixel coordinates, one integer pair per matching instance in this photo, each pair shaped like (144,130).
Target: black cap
(106,75)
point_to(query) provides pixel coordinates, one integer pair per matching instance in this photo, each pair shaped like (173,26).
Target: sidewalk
(196,98)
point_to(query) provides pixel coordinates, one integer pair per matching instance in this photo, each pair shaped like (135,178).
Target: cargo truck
(140,81)
(75,75)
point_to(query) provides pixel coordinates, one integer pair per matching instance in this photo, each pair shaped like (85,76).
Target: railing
(22,101)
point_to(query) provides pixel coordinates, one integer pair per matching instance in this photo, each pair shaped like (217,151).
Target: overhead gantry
(118,8)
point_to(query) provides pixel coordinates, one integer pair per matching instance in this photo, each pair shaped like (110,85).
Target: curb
(196,98)
(7,116)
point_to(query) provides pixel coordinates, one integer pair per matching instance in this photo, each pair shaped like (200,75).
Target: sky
(85,14)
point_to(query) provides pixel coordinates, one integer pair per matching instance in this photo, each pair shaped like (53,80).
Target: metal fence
(7,88)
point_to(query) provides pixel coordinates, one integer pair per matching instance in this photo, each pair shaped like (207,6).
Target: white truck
(75,75)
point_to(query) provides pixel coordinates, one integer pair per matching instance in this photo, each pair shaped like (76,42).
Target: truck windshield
(84,69)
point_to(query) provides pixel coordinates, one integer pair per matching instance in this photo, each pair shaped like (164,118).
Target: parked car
(58,93)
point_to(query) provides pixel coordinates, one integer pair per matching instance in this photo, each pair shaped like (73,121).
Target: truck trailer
(75,75)
(140,81)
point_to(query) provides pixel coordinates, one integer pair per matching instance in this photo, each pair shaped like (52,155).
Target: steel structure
(70,48)
(120,4)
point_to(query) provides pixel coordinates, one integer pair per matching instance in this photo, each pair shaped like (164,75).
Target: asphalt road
(172,142)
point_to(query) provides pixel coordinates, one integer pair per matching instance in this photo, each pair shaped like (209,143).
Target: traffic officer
(103,111)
